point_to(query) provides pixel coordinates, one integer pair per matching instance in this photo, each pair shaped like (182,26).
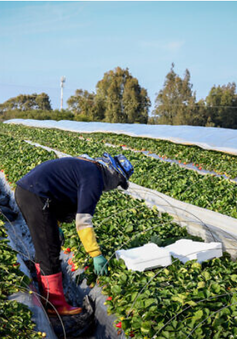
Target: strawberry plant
(15,318)
(180,301)
(217,194)
(210,160)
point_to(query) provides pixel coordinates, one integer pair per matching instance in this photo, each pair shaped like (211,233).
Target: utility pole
(63,80)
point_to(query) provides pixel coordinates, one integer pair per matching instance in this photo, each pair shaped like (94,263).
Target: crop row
(211,192)
(15,318)
(174,302)
(219,162)
(16,159)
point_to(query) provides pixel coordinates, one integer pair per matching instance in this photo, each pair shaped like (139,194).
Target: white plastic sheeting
(209,225)
(15,231)
(212,138)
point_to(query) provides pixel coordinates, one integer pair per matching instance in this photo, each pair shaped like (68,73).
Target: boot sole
(73,312)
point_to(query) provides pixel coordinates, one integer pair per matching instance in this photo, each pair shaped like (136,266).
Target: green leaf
(233,277)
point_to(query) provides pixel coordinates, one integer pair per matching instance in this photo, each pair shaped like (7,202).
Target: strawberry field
(181,301)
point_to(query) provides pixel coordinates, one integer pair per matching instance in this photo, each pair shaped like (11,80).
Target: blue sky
(42,41)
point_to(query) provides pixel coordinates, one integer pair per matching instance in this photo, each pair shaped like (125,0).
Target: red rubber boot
(53,288)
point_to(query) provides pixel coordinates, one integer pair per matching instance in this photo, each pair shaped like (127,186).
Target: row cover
(173,302)
(220,139)
(209,225)
(191,156)
(207,191)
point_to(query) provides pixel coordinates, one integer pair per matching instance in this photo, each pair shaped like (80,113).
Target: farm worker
(62,190)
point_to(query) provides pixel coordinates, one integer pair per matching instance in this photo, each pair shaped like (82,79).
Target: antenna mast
(63,80)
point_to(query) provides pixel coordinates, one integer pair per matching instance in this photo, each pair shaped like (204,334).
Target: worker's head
(116,171)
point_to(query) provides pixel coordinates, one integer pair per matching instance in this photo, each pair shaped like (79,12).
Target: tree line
(119,98)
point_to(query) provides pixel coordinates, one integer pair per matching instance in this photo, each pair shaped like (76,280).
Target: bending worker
(62,190)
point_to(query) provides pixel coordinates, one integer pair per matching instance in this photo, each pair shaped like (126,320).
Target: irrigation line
(39,296)
(208,228)
(133,190)
(47,301)
(24,255)
(156,276)
(224,307)
(169,160)
(16,235)
(135,235)
(139,292)
(139,151)
(173,207)
(234,189)
(132,238)
(182,169)
(190,306)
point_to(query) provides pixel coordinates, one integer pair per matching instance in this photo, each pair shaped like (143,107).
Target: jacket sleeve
(88,196)
(86,233)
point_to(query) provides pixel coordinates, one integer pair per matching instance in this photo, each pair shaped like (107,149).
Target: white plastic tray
(145,257)
(186,250)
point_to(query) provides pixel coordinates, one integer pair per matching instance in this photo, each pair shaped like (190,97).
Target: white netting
(220,139)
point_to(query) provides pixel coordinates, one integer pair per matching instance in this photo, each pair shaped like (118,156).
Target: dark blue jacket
(72,185)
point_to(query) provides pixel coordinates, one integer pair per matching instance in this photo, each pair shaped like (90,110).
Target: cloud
(40,18)
(172,46)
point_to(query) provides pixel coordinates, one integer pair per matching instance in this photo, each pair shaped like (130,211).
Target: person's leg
(45,236)
(43,229)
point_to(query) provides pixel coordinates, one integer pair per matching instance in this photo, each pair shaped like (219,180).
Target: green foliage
(82,105)
(37,114)
(27,102)
(15,318)
(119,98)
(222,106)
(176,104)
(216,194)
(168,302)
(176,101)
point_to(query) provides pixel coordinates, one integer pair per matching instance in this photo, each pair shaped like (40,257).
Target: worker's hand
(100,265)
(61,236)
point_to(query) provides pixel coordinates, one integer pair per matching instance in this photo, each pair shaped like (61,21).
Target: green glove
(100,265)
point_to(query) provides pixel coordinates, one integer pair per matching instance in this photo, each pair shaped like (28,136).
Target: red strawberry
(16,264)
(119,325)
(109,298)
(70,262)
(69,249)
(86,268)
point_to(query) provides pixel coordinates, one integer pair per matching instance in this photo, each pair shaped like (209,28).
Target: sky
(42,41)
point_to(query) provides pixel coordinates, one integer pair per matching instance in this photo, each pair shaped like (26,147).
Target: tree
(124,100)
(200,116)
(43,102)
(175,103)
(82,104)
(222,105)
(27,102)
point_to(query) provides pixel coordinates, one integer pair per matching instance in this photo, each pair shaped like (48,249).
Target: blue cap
(120,164)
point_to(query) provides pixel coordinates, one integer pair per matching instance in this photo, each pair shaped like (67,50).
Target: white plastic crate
(145,257)
(186,250)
